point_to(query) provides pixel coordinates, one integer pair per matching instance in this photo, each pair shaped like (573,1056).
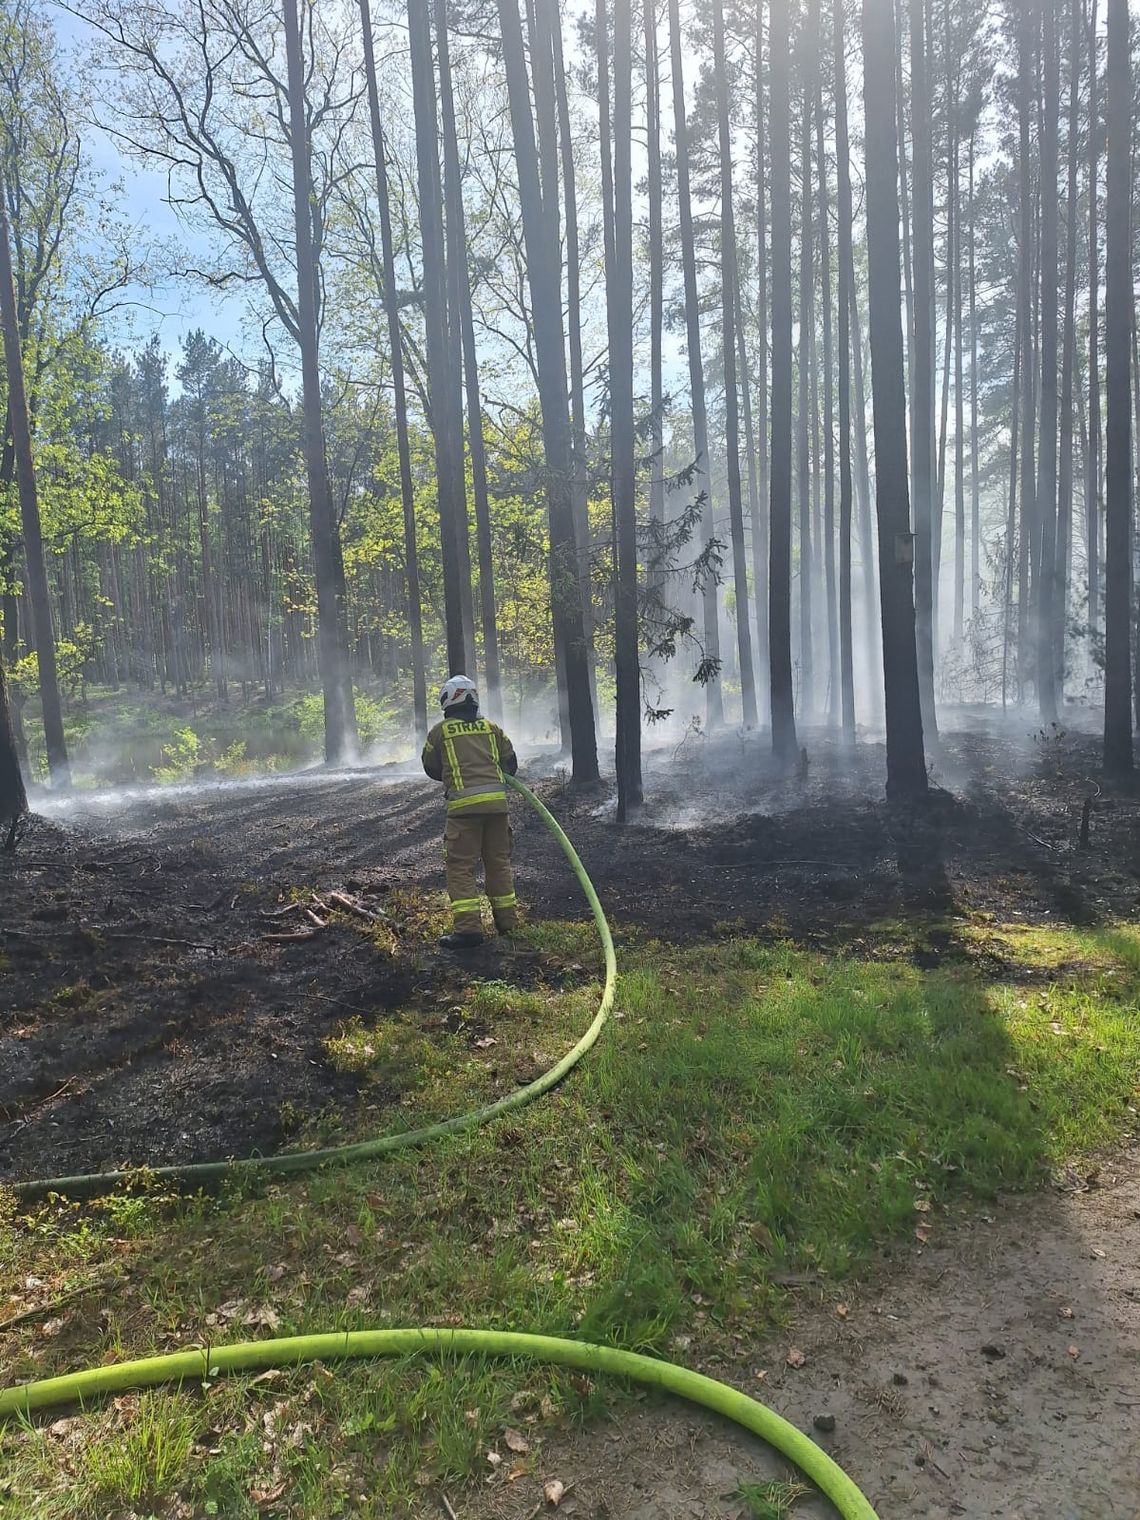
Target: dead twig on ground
(36,1109)
(298,936)
(162,939)
(53,1305)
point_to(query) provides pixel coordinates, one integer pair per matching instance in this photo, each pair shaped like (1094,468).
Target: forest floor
(800,927)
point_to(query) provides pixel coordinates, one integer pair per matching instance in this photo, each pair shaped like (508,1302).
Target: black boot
(461,941)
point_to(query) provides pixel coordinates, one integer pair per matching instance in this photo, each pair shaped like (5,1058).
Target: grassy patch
(753,1109)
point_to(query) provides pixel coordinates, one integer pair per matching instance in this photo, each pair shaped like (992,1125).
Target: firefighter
(469,755)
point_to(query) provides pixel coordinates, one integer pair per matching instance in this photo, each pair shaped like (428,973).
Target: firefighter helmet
(456,691)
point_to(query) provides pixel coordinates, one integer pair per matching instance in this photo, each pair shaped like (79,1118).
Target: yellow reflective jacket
(469,755)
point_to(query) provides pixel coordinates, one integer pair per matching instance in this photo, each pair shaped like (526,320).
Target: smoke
(112,800)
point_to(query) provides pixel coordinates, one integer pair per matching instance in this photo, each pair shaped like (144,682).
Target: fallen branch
(294,907)
(341,900)
(295,938)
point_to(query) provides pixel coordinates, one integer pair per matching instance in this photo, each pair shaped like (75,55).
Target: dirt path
(993,1374)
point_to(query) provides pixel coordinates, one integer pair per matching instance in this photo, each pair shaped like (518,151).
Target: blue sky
(178,309)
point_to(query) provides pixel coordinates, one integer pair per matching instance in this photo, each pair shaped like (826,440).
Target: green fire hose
(202,1363)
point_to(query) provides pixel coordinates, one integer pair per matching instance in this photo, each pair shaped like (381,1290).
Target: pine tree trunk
(459,302)
(656,269)
(906,764)
(959,395)
(844,294)
(396,359)
(1011,511)
(784,743)
(760,527)
(1028,366)
(1118,323)
(729,317)
(904,197)
(922,374)
(975,482)
(544,278)
(450,488)
(39,596)
(833,674)
(13,798)
(760,661)
(1093,466)
(954,319)
(803,419)
(873,630)
(714,699)
(619,312)
(1068,357)
(1047,610)
(580,463)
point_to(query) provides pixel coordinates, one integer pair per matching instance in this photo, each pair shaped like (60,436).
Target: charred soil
(150,1010)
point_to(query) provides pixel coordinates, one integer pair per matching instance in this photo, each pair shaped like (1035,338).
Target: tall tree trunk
(942,436)
(807,329)
(396,359)
(579,461)
(13,798)
(1047,453)
(459,303)
(760,525)
(619,311)
(729,317)
(714,699)
(1093,465)
(844,296)
(450,487)
(1119,316)
(784,743)
(1028,365)
(906,763)
(39,597)
(1011,511)
(605,134)
(1068,357)
(332,629)
(544,278)
(922,375)
(656,268)
(760,659)
(904,197)
(954,312)
(975,482)
(873,630)
(833,675)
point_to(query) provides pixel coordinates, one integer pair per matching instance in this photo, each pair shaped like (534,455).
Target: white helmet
(456,691)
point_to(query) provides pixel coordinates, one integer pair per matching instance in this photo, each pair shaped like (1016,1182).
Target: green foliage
(188,756)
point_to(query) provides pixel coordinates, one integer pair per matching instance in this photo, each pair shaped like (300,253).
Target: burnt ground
(145,1018)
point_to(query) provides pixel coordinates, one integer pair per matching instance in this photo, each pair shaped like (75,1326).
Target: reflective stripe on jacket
(469,755)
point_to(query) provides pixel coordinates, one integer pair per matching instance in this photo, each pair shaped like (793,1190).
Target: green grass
(754,1109)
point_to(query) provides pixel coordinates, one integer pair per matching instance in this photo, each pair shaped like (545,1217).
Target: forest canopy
(664,367)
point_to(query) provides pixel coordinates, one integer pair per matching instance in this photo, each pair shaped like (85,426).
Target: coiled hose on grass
(202,1363)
